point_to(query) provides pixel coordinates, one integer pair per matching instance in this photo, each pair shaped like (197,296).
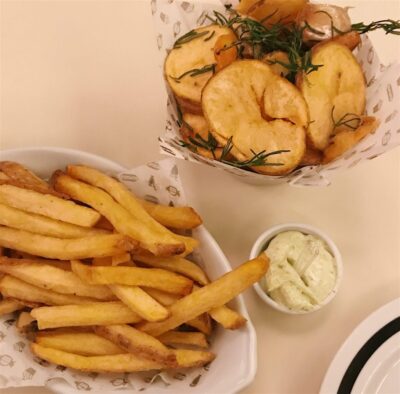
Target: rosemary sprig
(210,36)
(390,26)
(195,72)
(189,36)
(346,120)
(198,141)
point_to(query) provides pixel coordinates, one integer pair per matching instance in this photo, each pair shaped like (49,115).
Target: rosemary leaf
(195,72)
(191,35)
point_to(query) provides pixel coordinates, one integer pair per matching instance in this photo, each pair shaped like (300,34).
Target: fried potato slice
(121,219)
(139,343)
(129,201)
(263,112)
(43,225)
(91,314)
(275,60)
(18,175)
(224,52)
(133,276)
(184,338)
(16,288)
(271,11)
(194,54)
(175,264)
(47,205)
(210,296)
(312,157)
(181,218)
(140,302)
(331,92)
(82,343)
(350,40)
(52,278)
(118,363)
(345,140)
(9,306)
(101,245)
(227,317)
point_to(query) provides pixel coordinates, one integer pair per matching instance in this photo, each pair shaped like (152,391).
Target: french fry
(15,254)
(133,276)
(24,321)
(120,218)
(9,306)
(48,205)
(120,362)
(138,343)
(52,278)
(228,318)
(96,313)
(140,302)
(201,323)
(184,338)
(82,343)
(43,225)
(27,304)
(121,259)
(127,200)
(175,264)
(101,245)
(210,296)
(15,288)
(162,297)
(180,218)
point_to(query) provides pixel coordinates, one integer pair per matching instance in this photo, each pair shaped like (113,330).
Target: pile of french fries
(102,279)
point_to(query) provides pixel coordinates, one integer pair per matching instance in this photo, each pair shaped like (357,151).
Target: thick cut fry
(9,306)
(27,304)
(128,200)
(65,265)
(82,343)
(52,278)
(201,323)
(24,321)
(17,175)
(175,264)
(43,225)
(181,218)
(140,302)
(184,338)
(133,276)
(228,318)
(101,245)
(120,362)
(345,140)
(162,297)
(138,343)
(47,205)
(96,313)
(210,296)
(120,218)
(13,287)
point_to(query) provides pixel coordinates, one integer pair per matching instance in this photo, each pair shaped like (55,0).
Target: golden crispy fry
(139,343)
(82,343)
(345,140)
(129,201)
(9,306)
(16,288)
(275,60)
(24,321)
(95,313)
(47,205)
(202,323)
(228,318)
(210,296)
(17,175)
(162,297)
(25,303)
(101,245)
(224,52)
(113,260)
(134,276)
(175,217)
(271,11)
(184,338)
(175,264)
(140,302)
(43,225)
(64,265)
(121,219)
(104,224)
(52,278)
(119,362)
(312,157)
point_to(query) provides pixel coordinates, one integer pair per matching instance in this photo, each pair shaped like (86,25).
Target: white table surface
(82,74)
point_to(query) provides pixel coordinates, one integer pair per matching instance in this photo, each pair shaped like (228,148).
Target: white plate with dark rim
(236,350)
(368,362)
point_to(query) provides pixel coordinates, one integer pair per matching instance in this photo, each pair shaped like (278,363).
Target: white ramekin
(261,244)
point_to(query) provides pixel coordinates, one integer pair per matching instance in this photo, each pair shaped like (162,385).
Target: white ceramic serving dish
(236,362)
(261,244)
